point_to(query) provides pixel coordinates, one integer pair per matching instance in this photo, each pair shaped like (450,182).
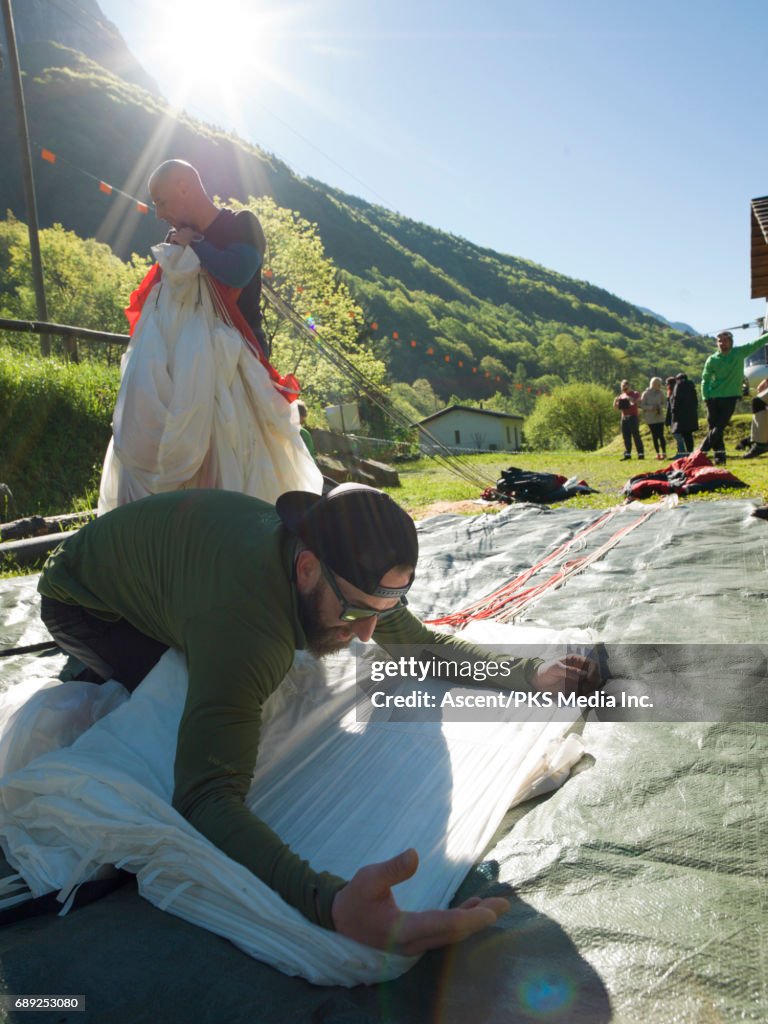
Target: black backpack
(524,485)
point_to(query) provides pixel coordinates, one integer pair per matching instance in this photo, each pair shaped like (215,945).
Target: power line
(104,186)
(317,149)
(707,336)
(456,464)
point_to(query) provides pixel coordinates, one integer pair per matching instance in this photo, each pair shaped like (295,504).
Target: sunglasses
(351,613)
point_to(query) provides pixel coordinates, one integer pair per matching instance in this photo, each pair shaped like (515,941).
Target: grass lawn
(424,481)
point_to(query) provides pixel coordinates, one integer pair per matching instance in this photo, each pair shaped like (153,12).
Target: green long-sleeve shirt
(309,442)
(723,373)
(211,574)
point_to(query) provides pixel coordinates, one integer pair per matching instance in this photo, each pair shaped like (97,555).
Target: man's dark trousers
(719,412)
(630,430)
(112,650)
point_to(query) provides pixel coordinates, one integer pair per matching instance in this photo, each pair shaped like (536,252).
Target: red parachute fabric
(140,295)
(690,475)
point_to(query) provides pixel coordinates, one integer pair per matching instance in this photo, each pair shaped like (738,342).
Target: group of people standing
(678,408)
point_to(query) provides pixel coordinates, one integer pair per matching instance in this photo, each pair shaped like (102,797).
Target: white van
(756,367)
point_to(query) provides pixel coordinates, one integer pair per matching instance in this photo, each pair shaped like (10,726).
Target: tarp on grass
(638,887)
(325,782)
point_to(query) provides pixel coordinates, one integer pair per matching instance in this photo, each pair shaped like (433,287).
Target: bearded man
(239,585)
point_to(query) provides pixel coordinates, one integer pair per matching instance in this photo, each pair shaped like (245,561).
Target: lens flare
(545,993)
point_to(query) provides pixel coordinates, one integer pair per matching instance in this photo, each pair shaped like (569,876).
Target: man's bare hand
(365,910)
(183,236)
(573,673)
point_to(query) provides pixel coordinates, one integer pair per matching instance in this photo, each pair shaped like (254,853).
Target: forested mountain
(471,320)
(81,26)
(677,325)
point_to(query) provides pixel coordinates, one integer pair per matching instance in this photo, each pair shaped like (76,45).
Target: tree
(576,415)
(602,364)
(86,284)
(415,401)
(498,402)
(491,368)
(547,383)
(558,355)
(521,354)
(307,280)
(425,397)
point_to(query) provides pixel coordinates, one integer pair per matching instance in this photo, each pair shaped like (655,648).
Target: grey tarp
(638,888)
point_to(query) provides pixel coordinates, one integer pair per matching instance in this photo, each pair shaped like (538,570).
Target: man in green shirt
(304,430)
(239,585)
(721,384)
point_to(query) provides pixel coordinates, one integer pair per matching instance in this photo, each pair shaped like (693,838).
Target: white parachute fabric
(43,714)
(196,408)
(342,792)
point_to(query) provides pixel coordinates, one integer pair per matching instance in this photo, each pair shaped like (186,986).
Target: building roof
(470,408)
(760,248)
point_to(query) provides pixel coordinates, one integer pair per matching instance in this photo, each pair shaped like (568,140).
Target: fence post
(27,177)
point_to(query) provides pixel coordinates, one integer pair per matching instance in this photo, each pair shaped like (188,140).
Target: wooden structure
(760,248)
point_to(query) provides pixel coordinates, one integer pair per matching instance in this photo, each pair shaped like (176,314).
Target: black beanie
(356,530)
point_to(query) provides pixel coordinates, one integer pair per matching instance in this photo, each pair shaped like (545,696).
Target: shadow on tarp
(136,965)
(526,969)
(687,683)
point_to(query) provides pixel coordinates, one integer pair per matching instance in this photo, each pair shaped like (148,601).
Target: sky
(612,141)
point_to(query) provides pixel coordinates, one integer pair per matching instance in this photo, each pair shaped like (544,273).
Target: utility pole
(26,167)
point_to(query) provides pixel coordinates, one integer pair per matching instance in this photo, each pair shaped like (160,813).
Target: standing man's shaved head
(175,170)
(179,197)
(175,165)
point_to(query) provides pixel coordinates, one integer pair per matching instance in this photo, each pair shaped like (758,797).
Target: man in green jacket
(306,434)
(239,585)
(721,384)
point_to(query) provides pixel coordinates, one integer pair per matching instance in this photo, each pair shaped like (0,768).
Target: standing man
(230,246)
(306,434)
(191,412)
(721,384)
(626,403)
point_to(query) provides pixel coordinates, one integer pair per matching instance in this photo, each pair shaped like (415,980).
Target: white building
(464,428)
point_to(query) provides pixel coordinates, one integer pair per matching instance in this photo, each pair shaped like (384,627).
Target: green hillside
(472,321)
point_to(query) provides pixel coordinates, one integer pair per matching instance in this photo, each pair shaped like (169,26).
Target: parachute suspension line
(571,568)
(510,600)
(334,355)
(218,303)
(455,463)
(490,606)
